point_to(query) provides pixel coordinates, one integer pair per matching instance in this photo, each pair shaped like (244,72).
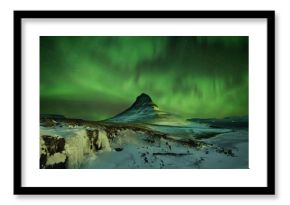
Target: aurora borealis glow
(98,77)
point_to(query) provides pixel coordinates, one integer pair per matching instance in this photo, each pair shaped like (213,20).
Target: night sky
(97,77)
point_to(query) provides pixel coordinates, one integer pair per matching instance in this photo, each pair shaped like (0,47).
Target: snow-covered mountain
(144,110)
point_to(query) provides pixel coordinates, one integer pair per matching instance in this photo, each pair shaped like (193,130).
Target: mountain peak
(143,99)
(143,108)
(144,95)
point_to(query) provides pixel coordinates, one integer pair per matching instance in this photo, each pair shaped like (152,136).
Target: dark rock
(170,154)
(93,135)
(53,144)
(112,131)
(43,160)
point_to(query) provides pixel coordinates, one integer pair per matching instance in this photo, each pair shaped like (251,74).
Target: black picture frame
(268,190)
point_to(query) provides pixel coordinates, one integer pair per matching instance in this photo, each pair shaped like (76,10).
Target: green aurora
(97,77)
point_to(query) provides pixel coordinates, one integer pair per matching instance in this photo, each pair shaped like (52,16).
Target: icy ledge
(68,148)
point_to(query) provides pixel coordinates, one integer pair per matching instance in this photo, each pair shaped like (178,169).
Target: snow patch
(56,158)
(76,147)
(103,141)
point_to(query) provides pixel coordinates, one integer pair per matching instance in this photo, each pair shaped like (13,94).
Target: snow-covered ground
(192,146)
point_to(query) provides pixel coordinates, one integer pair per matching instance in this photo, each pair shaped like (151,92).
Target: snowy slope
(144,137)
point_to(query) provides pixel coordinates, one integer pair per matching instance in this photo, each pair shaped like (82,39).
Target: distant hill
(238,122)
(51,117)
